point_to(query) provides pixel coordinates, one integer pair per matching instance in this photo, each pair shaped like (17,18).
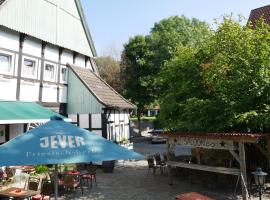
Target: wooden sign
(204,143)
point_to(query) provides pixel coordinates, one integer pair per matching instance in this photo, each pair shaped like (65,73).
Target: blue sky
(112,22)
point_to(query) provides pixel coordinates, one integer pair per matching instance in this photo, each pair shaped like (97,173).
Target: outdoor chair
(91,175)
(33,183)
(46,191)
(151,165)
(70,183)
(159,163)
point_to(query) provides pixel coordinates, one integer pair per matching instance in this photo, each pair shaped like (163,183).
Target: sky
(113,22)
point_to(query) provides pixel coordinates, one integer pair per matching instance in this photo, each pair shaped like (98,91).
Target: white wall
(67,57)
(8,88)
(32,46)
(84,120)
(62,94)
(49,93)
(88,65)
(14,130)
(51,53)
(29,91)
(96,121)
(80,61)
(9,39)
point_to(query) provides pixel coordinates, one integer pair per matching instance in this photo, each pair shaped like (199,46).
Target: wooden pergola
(233,142)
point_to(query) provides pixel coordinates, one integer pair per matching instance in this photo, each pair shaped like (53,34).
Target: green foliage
(41,169)
(221,85)
(143,56)
(109,70)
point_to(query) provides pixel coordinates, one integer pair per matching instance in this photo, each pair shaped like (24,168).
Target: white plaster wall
(121,115)
(49,93)
(127,135)
(9,39)
(126,117)
(51,53)
(96,120)
(63,94)
(14,130)
(32,47)
(88,65)
(29,91)
(84,120)
(116,117)
(80,61)
(116,130)
(67,57)
(8,88)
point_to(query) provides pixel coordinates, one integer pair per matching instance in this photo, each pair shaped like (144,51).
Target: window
(5,63)
(2,134)
(49,72)
(63,75)
(29,68)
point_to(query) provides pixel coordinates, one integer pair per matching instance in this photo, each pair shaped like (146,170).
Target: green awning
(13,112)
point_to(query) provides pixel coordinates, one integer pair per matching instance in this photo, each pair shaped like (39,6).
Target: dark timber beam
(20,64)
(43,46)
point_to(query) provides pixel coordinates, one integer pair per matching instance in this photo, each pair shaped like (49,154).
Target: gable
(105,94)
(59,22)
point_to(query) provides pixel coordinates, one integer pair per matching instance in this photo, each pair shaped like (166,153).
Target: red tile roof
(101,90)
(258,13)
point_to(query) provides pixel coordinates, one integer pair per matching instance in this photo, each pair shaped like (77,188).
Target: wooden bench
(222,170)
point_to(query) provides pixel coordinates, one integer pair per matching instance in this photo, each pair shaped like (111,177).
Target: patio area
(131,181)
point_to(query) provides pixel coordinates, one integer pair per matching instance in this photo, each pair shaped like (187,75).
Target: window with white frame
(5,63)
(29,68)
(63,74)
(49,72)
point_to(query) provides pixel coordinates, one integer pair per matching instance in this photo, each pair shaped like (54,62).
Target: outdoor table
(192,196)
(18,193)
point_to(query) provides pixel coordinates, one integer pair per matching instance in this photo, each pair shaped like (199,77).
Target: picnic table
(18,193)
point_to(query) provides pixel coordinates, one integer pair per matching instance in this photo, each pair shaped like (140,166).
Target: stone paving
(131,181)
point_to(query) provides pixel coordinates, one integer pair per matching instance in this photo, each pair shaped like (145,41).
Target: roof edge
(132,106)
(86,27)
(83,82)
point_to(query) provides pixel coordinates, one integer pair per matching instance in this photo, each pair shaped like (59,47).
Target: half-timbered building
(47,64)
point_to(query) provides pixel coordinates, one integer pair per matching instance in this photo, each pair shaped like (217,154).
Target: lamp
(259,177)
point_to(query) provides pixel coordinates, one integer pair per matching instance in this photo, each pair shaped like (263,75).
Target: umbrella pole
(56,182)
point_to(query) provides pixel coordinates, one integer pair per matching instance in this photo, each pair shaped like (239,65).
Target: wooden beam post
(242,158)
(268,152)
(170,152)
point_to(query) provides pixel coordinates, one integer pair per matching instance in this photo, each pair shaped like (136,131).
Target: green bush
(40,169)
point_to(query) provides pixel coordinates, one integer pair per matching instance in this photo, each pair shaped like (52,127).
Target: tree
(143,56)
(221,85)
(109,70)
(135,73)
(238,72)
